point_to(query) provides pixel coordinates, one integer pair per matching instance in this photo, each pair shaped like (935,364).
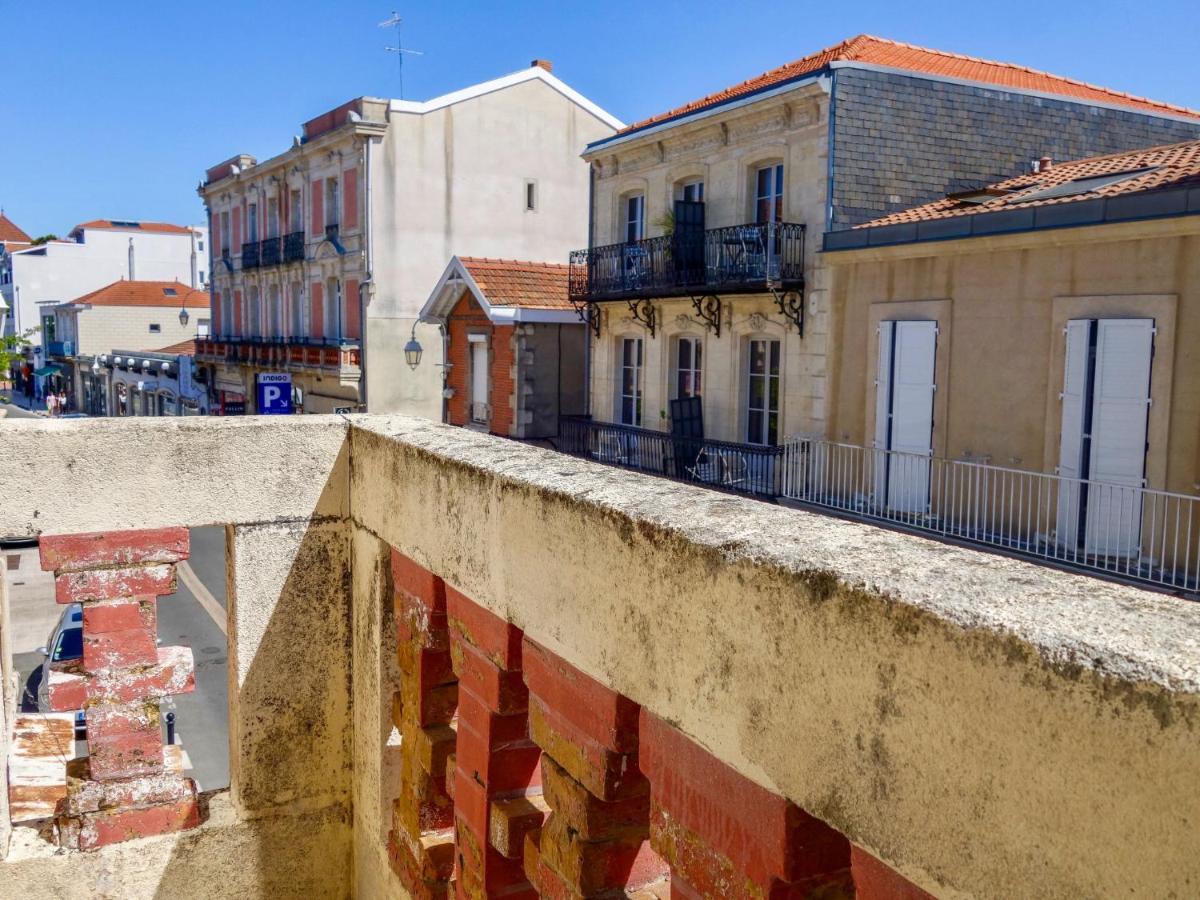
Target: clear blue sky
(114,109)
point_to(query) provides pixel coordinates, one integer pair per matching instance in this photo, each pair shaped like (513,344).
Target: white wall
(452,181)
(102,328)
(62,271)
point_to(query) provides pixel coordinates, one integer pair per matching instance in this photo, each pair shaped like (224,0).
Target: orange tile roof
(509,282)
(1174,165)
(125,225)
(183,348)
(146,293)
(10,232)
(865,48)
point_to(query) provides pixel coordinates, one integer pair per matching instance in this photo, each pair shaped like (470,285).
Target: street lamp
(412,350)
(183,315)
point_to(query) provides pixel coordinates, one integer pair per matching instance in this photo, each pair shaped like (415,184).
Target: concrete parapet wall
(983,726)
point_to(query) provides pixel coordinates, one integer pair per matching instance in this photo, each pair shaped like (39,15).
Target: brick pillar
(421,843)
(122,789)
(725,836)
(594,842)
(496,773)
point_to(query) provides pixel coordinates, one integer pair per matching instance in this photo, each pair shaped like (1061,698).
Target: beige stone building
(1039,331)
(703,276)
(325,254)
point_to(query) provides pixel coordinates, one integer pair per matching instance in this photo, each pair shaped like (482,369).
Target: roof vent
(542,64)
(1041,165)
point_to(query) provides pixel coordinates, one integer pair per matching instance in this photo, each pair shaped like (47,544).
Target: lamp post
(412,350)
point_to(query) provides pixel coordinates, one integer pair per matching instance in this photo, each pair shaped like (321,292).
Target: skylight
(170,292)
(1082,185)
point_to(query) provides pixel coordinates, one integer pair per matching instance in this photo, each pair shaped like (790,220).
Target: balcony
(285,352)
(751,469)
(734,259)
(753,685)
(250,255)
(293,247)
(62,348)
(269,254)
(332,232)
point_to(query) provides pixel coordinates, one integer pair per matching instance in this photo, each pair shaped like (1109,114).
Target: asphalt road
(15,412)
(194,617)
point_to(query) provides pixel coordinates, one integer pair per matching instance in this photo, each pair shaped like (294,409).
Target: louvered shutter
(911,441)
(1070,450)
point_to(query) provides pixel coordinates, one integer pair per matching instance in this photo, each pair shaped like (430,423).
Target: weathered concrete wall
(289,853)
(986,727)
(8,698)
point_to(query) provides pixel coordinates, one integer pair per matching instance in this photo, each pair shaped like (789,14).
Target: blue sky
(114,109)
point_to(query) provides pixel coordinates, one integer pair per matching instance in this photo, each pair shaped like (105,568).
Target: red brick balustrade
(594,842)
(523,777)
(495,764)
(421,843)
(123,788)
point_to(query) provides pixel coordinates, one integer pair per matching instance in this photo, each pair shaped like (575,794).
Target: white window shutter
(883,385)
(912,387)
(1070,442)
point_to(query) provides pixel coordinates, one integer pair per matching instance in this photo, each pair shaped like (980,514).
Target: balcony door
(252,223)
(630,399)
(296,212)
(1102,449)
(762,393)
(904,414)
(635,218)
(768,199)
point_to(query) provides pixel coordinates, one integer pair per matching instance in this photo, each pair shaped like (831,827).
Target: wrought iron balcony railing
(733,258)
(269,251)
(742,468)
(250,255)
(293,247)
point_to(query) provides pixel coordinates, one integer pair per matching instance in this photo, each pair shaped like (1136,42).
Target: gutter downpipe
(366,286)
(587,326)
(829,156)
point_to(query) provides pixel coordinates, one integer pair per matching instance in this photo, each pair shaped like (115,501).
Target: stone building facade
(839,137)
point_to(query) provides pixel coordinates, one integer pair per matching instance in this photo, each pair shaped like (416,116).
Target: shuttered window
(904,393)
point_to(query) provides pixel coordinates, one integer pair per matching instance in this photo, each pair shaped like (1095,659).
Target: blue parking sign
(274,394)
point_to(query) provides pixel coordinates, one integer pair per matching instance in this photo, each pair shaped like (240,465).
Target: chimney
(543,64)
(1044,164)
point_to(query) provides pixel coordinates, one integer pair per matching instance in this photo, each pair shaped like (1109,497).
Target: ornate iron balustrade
(742,468)
(718,260)
(293,247)
(269,252)
(250,256)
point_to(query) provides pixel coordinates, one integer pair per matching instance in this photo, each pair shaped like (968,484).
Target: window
(252,223)
(200,246)
(225,234)
(479,378)
(253,313)
(768,203)
(762,394)
(692,192)
(275,312)
(904,413)
(272,217)
(297,326)
(296,211)
(530,196)
(201,274)
(631,381)
(687,367)
(333,308)
(331,202)
(203,327)
(227,313)
(155,328)
(635,218)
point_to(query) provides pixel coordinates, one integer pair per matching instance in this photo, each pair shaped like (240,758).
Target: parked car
(75,415)
(65,646)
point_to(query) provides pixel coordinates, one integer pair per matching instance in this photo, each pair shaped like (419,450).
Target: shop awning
(47,371)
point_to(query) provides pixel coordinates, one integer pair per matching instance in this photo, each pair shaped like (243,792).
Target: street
(194,617)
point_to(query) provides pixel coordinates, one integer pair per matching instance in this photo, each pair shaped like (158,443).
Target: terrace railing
(1129,531)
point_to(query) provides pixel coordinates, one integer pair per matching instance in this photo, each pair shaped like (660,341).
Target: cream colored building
(1042,332)
(324,255)
(702,272)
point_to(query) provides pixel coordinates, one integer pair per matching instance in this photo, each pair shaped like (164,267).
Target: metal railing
(269,252)
(1132,532)
(250,255)
(743,468)
(718,259)
(293,247)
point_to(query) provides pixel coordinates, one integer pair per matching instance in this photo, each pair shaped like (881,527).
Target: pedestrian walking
(62,402)
(51,403)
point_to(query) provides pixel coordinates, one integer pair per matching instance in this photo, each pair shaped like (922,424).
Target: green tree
(12,353)
(44,239)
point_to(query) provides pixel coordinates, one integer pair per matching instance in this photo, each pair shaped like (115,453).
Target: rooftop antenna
(399,49)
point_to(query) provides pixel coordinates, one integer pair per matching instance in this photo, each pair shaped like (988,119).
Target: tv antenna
(399,49)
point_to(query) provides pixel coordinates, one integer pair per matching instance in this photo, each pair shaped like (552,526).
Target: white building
(138,315)
(35,279)
(357,220)
(145,383)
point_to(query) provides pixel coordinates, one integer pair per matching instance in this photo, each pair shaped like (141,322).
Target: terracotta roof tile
(509,282)
(1153,168)
(866,48)
(146,293)
(10,232)
(123,225)
(183,348)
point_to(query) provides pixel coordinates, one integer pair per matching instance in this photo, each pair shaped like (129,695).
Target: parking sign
(274,394)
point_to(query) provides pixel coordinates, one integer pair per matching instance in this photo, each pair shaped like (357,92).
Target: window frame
(767,435)
(637,399)
(695,367)
(632,233)
(773,196)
